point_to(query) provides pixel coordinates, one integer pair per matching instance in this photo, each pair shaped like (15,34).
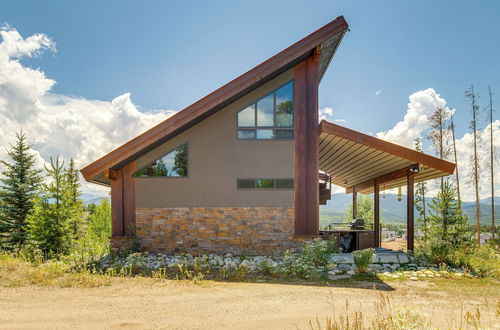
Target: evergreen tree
(99,229)
(73,203)
(48,224)
(455,235)
(19,186)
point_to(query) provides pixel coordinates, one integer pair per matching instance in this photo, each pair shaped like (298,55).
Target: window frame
(166,177)
(256,114)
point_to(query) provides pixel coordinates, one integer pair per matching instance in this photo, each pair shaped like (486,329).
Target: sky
(83,77)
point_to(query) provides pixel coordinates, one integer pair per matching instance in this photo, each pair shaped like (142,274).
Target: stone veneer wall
(239,230)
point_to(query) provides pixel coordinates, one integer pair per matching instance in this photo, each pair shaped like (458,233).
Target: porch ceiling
(354,159)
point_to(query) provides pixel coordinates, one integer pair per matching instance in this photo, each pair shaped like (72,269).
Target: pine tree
(420,204)
(19,186)
(452,129)
(48,224)
(476,138)
(446,209)
(99,229)
(73,203)
(492,163)
(364,210)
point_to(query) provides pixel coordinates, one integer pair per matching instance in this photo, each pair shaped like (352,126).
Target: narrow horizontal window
(264,183)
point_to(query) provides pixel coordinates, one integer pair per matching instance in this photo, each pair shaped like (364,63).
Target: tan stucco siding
(216,159)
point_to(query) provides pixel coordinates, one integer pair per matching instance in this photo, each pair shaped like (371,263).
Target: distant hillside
(392,210)
(92,199)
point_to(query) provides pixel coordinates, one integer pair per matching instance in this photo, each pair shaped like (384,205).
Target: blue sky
(169,54)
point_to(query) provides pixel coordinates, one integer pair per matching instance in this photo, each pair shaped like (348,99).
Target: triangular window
(173,164)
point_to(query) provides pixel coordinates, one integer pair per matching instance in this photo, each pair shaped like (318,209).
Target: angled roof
(327,38)
(354,159)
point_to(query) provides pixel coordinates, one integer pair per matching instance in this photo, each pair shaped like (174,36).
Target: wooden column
(117,228)
(306,148)
(354,203)
(410,220)
(123,201)
(376,213)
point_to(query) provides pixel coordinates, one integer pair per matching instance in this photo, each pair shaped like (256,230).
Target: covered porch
(363,164)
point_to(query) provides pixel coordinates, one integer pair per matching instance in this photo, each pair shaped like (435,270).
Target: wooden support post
(410,220)
(123,202)
(306,148)
(354,203)
(376,213)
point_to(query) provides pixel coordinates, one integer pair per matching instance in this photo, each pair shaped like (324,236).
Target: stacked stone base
(218,230)
(121,242)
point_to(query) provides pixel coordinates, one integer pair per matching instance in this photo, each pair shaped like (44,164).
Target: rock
(344,266)
(228,255)
(413,278)
(403,258)
(395,266)
(350,272)
(339,277)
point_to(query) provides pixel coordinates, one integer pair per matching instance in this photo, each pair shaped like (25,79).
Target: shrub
(295,264)
(317,251)
(363,259)
(484,260)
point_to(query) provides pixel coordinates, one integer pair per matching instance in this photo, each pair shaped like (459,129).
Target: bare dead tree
(438,137)
(452,129)
(492,160)
(473,96)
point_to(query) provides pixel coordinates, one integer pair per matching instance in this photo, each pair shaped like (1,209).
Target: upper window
(270,118)
(173,164)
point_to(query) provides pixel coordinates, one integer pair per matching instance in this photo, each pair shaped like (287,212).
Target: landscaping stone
(339,277)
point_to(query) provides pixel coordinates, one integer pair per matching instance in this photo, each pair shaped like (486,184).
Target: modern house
(245,168)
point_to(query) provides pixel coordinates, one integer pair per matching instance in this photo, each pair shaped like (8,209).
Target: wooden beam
(385,146)
(354,203)
(215,101)
(410,220)
(110,174)
(376,213)
(129,200)
(399,174)
(306,148)
(117,227)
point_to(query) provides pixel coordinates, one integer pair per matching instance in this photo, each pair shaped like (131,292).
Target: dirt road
(150,304)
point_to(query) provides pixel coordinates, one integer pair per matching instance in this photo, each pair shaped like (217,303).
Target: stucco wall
(217,159)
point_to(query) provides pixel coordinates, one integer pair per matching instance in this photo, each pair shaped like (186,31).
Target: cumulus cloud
(422,105)
(415,124)
(326,113)
(60,125)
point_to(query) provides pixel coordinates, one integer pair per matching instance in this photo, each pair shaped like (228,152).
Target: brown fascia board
(385,146)
(215,101)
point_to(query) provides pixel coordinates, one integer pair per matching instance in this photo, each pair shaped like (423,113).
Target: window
(264,183)
(173,164)
(270,118)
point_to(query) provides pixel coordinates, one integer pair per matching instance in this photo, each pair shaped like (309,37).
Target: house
(245,168)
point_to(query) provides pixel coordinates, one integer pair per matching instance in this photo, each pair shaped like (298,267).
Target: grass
(16,272)
(392,316)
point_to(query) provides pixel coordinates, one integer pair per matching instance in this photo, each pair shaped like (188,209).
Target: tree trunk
(492,167)
(456,160)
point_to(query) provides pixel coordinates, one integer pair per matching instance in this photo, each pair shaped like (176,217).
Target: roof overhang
(323,42)
(355,160)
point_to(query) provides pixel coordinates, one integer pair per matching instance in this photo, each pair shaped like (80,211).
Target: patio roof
(356,160)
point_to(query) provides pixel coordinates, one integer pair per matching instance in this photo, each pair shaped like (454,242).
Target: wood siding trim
(399,174)
(117,205)
(306,148)
(196,112)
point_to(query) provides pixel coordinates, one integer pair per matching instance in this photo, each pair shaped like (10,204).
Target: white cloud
(421,106)
(416,124)
(326,113)
(378,93)
(60,125)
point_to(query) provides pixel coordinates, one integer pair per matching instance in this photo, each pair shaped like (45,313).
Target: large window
(264,183)
(173,164)
(270,118)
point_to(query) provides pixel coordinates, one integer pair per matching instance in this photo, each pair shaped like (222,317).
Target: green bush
(317,251)
(483,260)
(363,259)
